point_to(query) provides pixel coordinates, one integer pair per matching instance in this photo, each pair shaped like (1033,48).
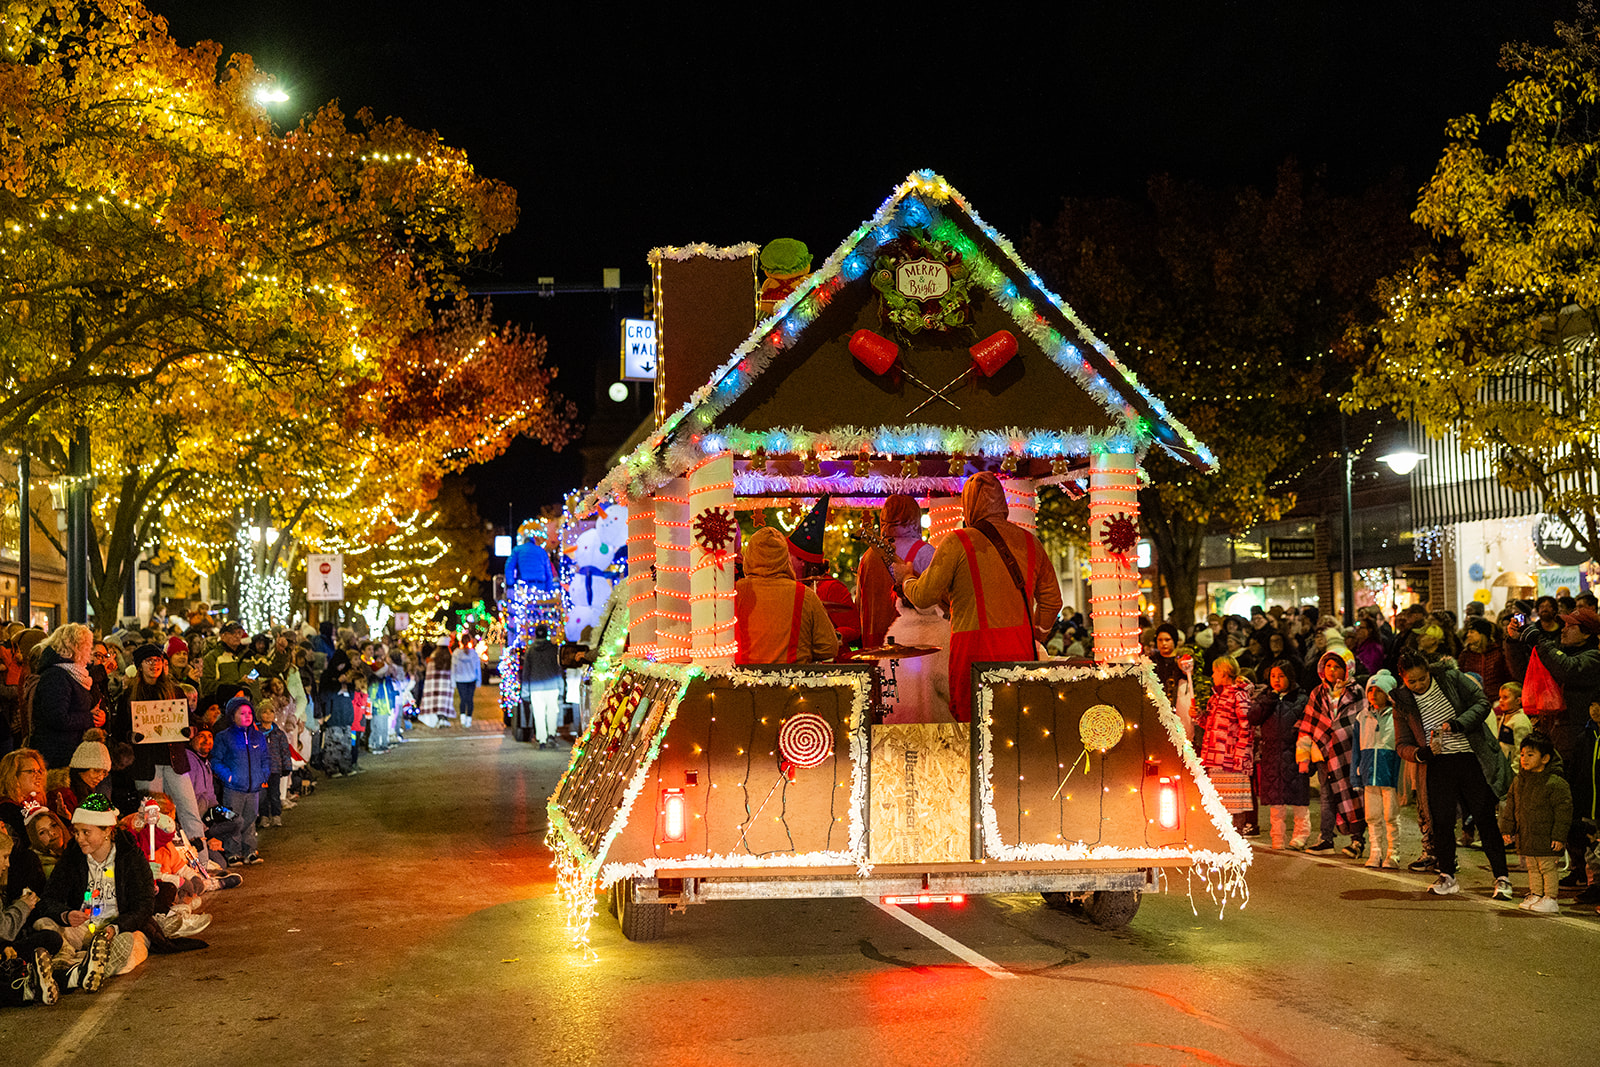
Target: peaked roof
(749,400)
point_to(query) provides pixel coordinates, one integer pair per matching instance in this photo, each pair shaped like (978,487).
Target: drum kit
(888,654)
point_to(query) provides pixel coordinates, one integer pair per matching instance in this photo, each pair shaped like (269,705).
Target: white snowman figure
(593,574)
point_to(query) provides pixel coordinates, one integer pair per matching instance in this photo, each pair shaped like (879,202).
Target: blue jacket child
(1377,760)
(241,759)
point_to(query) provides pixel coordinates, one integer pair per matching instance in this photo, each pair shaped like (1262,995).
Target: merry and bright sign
(922,279)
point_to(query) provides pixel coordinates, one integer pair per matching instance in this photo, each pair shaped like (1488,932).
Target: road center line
(67,1047)
(945,941)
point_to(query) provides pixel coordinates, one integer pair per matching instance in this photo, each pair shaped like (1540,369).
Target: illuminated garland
(1223,872)
(680,440)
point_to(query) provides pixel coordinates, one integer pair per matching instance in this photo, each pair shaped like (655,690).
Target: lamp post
(1399,457)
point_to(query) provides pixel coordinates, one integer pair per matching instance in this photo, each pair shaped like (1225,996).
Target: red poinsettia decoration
(1120,534)
(714,531)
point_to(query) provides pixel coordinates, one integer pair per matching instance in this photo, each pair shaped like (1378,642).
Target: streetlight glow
(1402,461)
(271,94)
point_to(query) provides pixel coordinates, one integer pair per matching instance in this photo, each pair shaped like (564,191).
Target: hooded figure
(1002,589)
(901,526)
(778,619)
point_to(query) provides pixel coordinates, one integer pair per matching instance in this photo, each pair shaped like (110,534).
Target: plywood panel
(921,793)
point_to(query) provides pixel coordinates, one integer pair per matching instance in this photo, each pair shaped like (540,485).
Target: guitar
(873,538)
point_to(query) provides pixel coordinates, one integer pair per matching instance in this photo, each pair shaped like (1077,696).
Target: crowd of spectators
(1488,726)
(111,843)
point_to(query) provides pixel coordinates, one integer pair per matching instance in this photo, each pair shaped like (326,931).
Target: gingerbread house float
(923,350)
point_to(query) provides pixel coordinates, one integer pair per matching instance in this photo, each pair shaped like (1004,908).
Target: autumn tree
(1490,333)
(1229,304)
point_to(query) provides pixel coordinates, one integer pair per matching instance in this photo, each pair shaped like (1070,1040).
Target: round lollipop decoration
(1100,729)
(806,740)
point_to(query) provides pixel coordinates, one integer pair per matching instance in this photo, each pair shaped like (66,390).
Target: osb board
(1035,740)
(726,738)
(609,754)
(815,382)
(921,794)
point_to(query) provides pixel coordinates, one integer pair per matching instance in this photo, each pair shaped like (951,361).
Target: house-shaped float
(921,351)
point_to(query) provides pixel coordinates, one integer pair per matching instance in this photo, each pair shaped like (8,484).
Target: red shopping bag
(1540,693)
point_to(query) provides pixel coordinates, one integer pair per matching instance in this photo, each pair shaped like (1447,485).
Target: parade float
(920,352)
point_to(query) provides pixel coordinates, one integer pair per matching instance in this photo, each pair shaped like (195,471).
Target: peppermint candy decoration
(806,740)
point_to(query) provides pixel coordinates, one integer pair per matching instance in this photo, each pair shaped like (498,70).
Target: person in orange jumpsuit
(811,567)
(778,619)
(994,616)
(901,526)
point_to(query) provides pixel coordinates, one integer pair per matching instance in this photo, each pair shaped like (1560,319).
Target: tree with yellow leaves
(1490,333)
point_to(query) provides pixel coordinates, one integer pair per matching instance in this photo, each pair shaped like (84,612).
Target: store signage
(638,350)
(1558,581)
(1286,548)
(1555,541)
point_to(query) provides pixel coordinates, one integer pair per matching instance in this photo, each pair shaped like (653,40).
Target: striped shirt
(1436,710)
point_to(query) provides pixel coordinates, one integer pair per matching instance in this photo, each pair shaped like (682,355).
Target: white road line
(462,737)
(946,942)
(67,1047)
(1471,895)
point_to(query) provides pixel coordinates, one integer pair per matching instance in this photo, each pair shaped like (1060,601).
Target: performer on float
(1003,591)
(901,526)
(811,567)
(778,619)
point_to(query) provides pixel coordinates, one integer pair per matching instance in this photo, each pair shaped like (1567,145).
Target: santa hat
(806,539)
(95,810)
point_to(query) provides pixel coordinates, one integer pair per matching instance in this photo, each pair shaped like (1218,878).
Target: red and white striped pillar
(1114,575)
(711,576)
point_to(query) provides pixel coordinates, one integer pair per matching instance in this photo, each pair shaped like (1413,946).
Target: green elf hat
(95,810)
(806,539)
(785,256)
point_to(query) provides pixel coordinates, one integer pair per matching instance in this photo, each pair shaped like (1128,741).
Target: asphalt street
(408,915)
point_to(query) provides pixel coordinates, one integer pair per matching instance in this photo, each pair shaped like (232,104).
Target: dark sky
(622,130)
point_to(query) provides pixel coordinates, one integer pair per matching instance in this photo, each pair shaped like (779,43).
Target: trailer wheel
(1060,901)
(639,922)
(1112,909)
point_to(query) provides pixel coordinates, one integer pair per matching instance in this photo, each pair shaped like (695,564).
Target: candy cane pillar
(641,587)
(944,517)
(711,574)
(672,570)
(1113,563)
(1022,503)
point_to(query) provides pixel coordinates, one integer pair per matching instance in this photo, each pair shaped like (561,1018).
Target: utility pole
(78,470)
(24,544)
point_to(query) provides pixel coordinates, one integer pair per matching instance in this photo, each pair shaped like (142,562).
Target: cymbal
(895,652)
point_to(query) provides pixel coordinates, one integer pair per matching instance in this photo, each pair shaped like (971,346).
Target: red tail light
(674,815)
(1167,809)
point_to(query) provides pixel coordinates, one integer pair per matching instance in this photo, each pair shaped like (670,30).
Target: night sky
(624,130)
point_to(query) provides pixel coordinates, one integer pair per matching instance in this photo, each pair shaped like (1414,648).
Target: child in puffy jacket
(1377,771)
(242,762)
(1536,816)
(280,763)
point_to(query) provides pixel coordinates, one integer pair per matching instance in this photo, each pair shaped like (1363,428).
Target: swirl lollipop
(1100,728)
(806,740)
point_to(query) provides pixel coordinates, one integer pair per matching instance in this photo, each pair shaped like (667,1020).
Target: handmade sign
(160,721)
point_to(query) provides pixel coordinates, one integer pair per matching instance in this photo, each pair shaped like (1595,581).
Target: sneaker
(1354,848)
(277,820)
(98,960)
(1445,886)
(253,858)
(1529,901)
(1297,844)
(120,953)
(44,977)
(287,804)
(1323,846)
(1374,861)
(1422,863)
(1573,878)
(1391,862)
(73,973)
(234,861)
(230,881)
(1465,838)
(1591,895)
(193,925)
(1502,889)
(169,923)
(1545,906)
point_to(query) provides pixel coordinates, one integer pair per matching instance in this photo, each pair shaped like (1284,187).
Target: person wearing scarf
(63,704)
(991,618)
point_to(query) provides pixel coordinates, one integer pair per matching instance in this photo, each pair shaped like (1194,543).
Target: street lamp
(268,95)
(1399,457)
